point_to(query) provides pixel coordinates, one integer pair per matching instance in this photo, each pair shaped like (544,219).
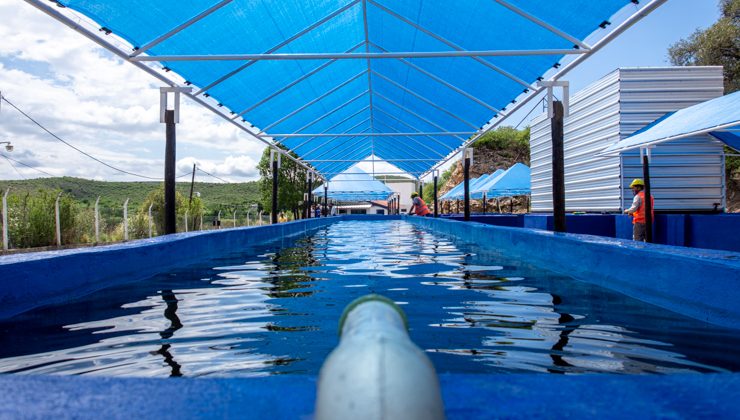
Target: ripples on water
(274,309)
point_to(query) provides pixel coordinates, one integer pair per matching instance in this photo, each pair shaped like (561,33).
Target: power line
(210,174)
(9,159)
(75,148)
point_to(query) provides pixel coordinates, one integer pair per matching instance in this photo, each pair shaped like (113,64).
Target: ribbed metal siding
(591,182)
(688,175)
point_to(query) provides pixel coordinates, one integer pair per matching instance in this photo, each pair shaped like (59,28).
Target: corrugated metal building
(687,175)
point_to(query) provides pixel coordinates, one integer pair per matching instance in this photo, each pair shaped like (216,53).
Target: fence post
(260,217)
(248,211)
(186,220)
(56,217)
(150,220)
(218,220)
(125,220)
(97,220)
(234,218)
(201,220)
(5,219)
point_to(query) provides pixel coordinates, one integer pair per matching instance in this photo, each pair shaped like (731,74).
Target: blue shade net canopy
(517,180)
(408,81)
(719,117)
(354,185)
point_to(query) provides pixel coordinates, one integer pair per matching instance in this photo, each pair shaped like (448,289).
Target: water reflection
(273,309)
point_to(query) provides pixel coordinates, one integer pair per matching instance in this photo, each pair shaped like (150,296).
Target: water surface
(273,309)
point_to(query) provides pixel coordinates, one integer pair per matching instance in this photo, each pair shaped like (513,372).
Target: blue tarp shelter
(719,117)
(477,192)
(411,82)
(354,184)
(456,191)
(515,181)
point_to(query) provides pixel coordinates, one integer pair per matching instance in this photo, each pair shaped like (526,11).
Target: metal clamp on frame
(550,85)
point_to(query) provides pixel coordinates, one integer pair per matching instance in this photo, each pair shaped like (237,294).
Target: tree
(291,184)
(717,45)
(156,200)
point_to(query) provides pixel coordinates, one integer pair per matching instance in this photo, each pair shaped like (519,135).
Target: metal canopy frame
(418,159)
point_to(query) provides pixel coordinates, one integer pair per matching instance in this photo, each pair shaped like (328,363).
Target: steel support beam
(425,120)
(411,134)
(360,134)
(330,128)
(543,24)
(326,116)
(55,13)
(427,135)
(425,100)
(180,28)
(313,101)
(291,84)
(450,44)
(442,81)
(276,47)
(564,70)
(357,56)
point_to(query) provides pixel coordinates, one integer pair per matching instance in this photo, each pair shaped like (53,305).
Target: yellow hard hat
(637,182)
(414,194)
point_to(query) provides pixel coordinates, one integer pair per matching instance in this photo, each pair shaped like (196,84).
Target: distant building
(371,207)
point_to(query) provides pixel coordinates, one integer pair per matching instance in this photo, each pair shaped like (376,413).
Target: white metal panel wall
(591,182)
(613,108)
(685,174)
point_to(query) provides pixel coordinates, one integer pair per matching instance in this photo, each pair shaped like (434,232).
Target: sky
(110,109)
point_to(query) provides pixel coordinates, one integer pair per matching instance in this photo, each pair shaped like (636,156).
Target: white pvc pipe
(5,219)
(218,220)
(377,372)
(57,222)
(125,220)
(186,220)
(234,218)
(201,221)
(248,211)
(260,217)
(97,220)
(150,220)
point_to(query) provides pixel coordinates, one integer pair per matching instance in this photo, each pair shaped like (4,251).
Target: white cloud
(100,104)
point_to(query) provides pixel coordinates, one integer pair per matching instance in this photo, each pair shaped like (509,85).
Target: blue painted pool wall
(31,280)
(713,232)
(702,284)
(710,231)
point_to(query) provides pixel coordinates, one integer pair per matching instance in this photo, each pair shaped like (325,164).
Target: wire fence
(51,219)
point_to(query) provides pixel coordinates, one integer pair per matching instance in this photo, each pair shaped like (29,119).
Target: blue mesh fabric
(379,95)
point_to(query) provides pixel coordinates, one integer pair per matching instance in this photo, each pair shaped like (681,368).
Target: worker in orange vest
(638,210)
(419,207)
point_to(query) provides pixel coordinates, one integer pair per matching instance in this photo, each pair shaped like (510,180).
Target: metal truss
(276,47)
(311,102)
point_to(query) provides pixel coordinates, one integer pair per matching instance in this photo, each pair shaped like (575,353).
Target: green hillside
(112,194)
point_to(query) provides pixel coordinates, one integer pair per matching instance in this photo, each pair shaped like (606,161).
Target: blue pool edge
(31,280)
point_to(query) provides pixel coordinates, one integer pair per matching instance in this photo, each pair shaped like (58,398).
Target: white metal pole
(248,211)
(186,220)
(5,220)
(56,217)
(125,220)
(201,220)
(234,218)
(97,220)
(150,220)
(218,220)
(260,217)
